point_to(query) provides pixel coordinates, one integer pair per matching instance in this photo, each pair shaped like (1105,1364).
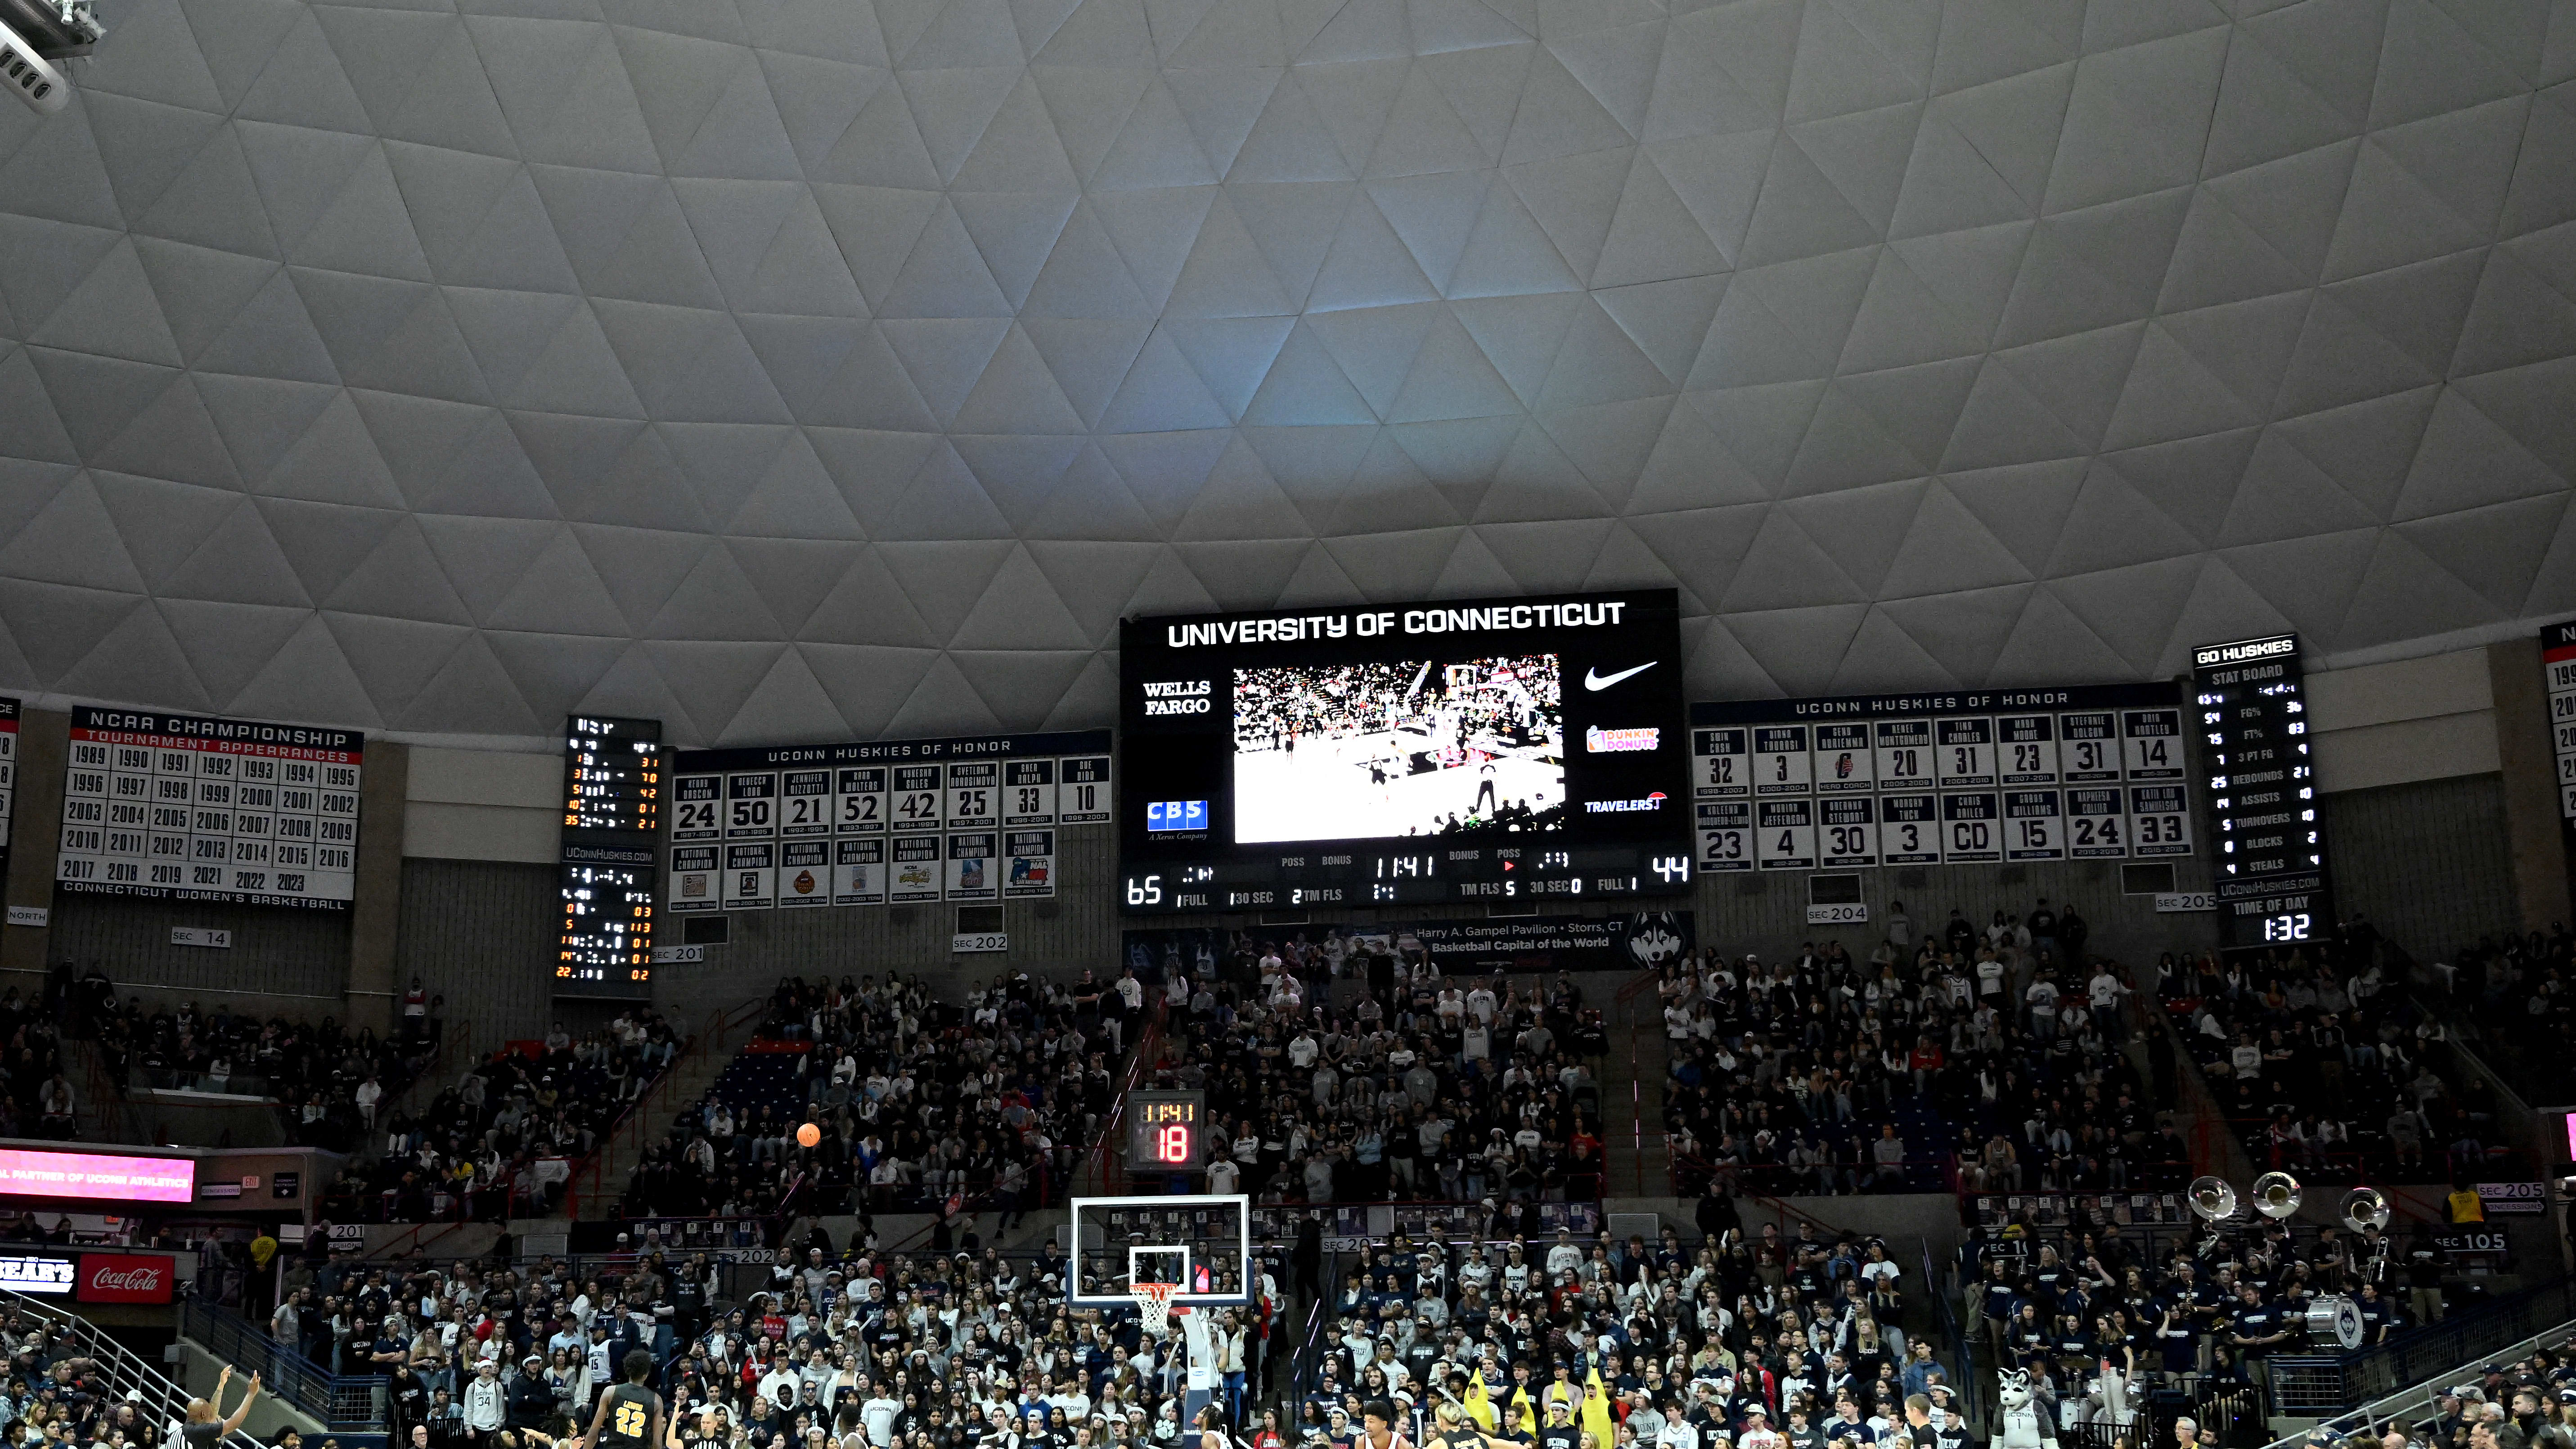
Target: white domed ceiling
(809,368)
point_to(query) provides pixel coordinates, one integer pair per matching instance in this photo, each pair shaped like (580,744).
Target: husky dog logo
(1654,939)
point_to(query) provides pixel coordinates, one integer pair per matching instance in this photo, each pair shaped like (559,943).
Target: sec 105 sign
(1164,1131)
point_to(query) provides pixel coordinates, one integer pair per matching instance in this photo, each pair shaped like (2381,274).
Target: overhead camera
(33,35)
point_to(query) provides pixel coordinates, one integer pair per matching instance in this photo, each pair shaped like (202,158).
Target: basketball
(808,1135)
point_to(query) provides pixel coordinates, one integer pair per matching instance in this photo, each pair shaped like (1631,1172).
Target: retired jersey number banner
(888,822)
(1967,777)
(8,776)
(2558,662)
(192,807)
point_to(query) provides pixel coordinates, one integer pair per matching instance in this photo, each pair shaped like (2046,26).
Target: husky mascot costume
(2019,1424)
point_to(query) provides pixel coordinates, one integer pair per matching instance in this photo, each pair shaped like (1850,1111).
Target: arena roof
(809,368)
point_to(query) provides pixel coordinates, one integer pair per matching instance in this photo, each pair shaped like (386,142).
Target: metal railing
(344,1404)
(1143,1055)
(162,1401)
(2314,1385)
(1942,1286)
(588,1175)
(2416,1402)
(1306,1364)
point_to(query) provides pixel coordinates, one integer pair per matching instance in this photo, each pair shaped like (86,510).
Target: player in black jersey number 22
(629,1415)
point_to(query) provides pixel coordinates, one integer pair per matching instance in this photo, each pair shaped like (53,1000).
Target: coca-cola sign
(124,1278)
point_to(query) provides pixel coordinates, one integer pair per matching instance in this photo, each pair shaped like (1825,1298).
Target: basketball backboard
(1201,1242)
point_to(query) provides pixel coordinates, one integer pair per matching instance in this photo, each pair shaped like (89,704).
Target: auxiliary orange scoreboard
(1165,1131)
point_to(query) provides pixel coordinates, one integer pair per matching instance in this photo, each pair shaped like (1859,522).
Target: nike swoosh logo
(1594,679)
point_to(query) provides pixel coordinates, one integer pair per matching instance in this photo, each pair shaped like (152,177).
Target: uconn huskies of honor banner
(190,807)
(893,822)
(2085,772)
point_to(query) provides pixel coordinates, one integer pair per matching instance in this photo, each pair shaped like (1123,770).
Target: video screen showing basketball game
(1402,748)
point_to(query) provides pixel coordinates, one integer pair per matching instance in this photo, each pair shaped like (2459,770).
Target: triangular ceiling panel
(442,371)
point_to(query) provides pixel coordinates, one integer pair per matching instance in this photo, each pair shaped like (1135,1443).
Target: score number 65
(1145,891)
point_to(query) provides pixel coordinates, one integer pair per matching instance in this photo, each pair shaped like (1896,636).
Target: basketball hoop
(1154,1305)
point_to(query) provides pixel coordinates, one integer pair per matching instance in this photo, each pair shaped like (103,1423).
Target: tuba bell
(2365,1209)
(2276,1195)
(2212,1199)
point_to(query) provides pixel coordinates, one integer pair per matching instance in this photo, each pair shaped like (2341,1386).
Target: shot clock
(2249,703)
(1163,1131)
(606,876)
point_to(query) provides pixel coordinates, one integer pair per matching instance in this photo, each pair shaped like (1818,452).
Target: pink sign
(30,1173)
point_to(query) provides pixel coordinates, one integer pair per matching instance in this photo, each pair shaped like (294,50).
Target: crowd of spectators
(325,1079)
(914,1102)
(932,1351)
(37,1098)
(2527,1404)
(2323,1063)
(52,1394)
(506,1131)
(1336,1072)
(1764,1342)
(1993,1053)
(2520,995)
(2193,1308)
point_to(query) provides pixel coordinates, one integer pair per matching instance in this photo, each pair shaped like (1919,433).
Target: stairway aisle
(1637,1156)
(625,1149)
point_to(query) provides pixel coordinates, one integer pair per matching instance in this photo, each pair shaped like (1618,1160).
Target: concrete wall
(2430,862)
(1910,1222)
(483,805)
(2415,719)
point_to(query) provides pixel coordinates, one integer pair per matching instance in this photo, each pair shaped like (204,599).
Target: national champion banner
(888,822)
(195,807)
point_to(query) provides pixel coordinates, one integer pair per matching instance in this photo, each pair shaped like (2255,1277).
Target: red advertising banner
(124,1278)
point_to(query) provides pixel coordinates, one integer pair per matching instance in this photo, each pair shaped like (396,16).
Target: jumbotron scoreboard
(1466,750)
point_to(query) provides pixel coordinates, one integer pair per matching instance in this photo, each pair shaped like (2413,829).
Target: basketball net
(1154,1305)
